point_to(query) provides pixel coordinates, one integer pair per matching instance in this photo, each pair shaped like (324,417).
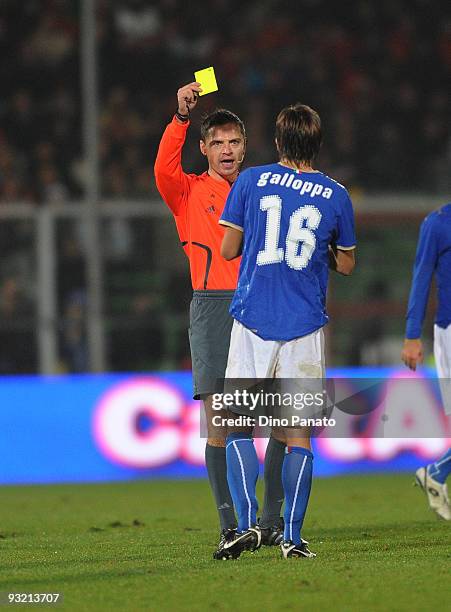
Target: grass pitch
(148,546)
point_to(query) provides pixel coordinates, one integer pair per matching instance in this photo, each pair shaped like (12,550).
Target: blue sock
(297,482)
(242,474)
(441,469)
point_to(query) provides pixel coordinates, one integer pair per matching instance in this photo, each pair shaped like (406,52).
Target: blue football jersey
(289,218)
(433,257)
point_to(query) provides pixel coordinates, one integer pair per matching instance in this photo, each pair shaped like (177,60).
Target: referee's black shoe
(273,536)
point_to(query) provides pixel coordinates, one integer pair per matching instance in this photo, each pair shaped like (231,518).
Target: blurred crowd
(377,72)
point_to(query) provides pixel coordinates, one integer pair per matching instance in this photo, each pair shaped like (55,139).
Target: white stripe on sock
(237,440)
(295,496)
(434,468)
(244,479)
(443,461)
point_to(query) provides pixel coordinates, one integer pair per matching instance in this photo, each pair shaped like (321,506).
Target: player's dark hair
(298,133)
(218,117)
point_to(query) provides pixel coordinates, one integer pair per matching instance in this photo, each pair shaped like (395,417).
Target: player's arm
(342,251)
(341,261)
(424,266)
(172,182)
(233,218)
(412,352)
(232,243)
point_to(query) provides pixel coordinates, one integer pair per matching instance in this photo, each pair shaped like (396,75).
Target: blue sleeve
(346,231)
(425,263)
(233,212)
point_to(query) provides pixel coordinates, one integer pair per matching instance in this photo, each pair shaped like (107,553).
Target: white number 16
(297,234)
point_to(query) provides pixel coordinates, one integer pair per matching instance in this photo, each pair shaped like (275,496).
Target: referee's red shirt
(197,203)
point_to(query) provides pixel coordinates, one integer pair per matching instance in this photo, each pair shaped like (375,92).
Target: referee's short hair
(298,133)
(219,117)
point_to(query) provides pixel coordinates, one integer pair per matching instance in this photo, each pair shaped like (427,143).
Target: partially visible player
(284,217)
(433,257)
(197,202)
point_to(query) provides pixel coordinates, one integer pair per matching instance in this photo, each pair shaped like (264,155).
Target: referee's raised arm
(171,181)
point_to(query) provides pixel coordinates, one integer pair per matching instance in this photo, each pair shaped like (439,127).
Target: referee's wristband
(182,118)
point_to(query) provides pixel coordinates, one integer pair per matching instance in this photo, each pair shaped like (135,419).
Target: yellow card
(207,79)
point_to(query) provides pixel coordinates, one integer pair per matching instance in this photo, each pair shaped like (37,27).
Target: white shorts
(298,364)
(252,357)
(442,354)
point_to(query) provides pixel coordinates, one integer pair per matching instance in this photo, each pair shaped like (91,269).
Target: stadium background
(92,278)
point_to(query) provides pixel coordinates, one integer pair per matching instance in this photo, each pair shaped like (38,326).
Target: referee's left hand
(412,353)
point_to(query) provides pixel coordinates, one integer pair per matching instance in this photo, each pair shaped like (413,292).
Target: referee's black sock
(215,458)
(274,494)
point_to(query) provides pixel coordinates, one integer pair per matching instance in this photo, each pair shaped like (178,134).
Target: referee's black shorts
(209,338)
